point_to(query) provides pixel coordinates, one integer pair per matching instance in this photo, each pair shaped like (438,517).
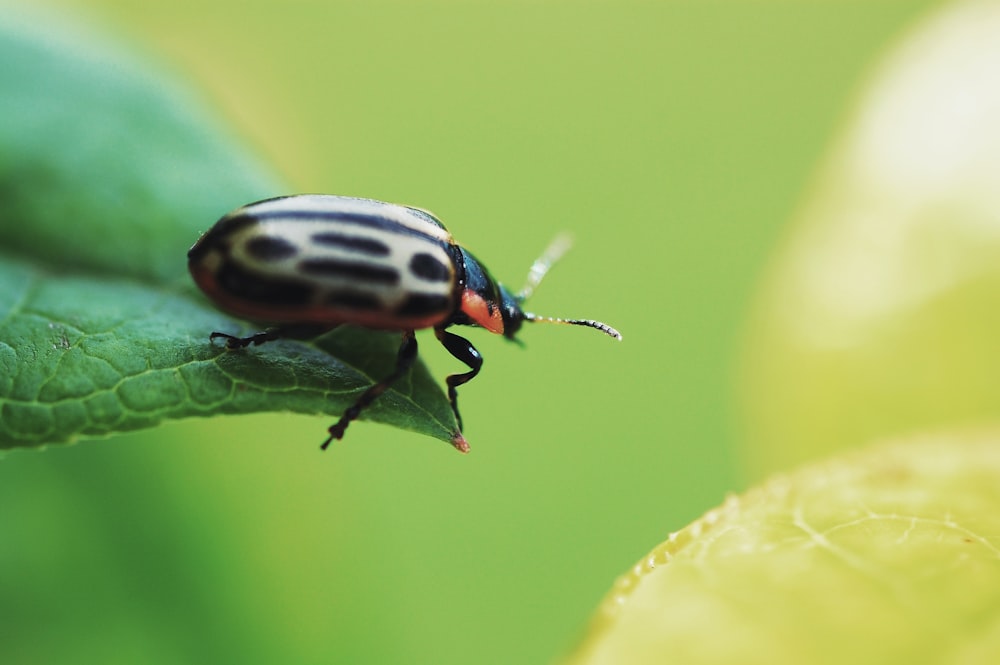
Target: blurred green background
(674,139)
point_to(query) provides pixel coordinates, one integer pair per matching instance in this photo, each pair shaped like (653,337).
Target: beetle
(307,263)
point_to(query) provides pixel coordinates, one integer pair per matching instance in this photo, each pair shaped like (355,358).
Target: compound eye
(482,312)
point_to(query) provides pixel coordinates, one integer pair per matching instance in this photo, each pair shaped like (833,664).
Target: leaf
(889,555)
(107,176)
(879,315)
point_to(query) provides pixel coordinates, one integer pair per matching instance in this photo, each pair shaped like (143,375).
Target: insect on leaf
(108,175)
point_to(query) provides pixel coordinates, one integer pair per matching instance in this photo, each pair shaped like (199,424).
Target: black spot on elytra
(256,288)
(421,304)
(426,266)
(362,272)
(352,300)
(270,248)
(370,246)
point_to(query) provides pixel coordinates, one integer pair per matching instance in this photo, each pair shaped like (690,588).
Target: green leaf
(890,555)
(107,175)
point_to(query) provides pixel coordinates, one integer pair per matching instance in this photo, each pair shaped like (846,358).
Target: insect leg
(404,360)
(233,342)
(303,331)
(462,349)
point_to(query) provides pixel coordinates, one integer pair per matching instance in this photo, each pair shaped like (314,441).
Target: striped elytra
(314,261)
(329,260)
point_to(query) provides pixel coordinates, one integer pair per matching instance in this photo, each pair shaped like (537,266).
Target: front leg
(462,349)
(404,361)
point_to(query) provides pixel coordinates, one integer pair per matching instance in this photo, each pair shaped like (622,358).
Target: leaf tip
(459,442)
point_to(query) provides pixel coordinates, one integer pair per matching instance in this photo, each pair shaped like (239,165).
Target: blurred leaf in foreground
(107,176)
(888,555)
(881,315)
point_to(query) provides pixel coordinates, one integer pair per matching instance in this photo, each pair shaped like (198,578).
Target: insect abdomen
(329,260)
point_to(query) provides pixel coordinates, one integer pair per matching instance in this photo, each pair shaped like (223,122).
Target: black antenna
(555,251)
(603,327)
